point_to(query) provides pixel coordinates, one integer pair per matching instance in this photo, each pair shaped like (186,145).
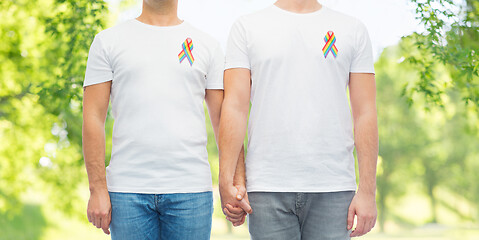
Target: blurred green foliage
(451,38)
(44,47)
(436,147)
(429,139)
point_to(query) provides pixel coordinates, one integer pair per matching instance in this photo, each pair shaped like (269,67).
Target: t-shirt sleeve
(214,77)
(98,67)
(362,61)
(237,48)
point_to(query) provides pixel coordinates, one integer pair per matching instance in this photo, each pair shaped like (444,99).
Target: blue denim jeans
(299,216)
(161,216)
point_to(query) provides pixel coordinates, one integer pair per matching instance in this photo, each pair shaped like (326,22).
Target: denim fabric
(161,216)
(299,216)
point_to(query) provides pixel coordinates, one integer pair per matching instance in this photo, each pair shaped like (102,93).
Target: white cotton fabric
(159,134)
(300,125)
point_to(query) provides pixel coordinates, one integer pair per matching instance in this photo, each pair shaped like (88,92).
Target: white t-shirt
(159,134)
(300,125)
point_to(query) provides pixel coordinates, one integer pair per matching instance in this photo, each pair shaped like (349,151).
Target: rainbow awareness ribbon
(186,52)
(330,39)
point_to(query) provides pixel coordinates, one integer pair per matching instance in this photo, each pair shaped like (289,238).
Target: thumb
(240,193)
(351,213)
(245,206)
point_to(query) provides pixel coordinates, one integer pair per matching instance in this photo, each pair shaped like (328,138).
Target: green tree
(450,38)
(43,54)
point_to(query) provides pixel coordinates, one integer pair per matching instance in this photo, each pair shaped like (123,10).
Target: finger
(246,198)
(367,227)
(233,220)
(374,223)
(244,219)
(245,206)
(223,209)
(105,224)
(236,210)
(233,215)
(350,217)
(97,222)
(241,193)
(88,216)
(359,230)
(241,221)
(370,227)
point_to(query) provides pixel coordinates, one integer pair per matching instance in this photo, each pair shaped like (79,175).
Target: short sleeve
(362,61)
(98,68)
(214,76)
(236,50)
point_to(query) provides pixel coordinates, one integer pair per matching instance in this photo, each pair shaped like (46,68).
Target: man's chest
(322,45)
(180,57)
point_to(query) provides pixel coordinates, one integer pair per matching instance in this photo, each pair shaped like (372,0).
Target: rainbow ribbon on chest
(186,52)
(330,40)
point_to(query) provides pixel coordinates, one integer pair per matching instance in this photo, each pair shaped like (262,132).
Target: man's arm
(232,132)
(362,90)
(214,100)
(95,106)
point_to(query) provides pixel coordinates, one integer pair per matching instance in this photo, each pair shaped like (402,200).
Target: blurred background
(427,64)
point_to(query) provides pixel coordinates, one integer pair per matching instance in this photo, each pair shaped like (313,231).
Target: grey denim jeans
(299,216)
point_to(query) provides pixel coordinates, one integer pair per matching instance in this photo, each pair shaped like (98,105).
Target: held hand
(237,216)
(363,206)
(99,210)
(235,204)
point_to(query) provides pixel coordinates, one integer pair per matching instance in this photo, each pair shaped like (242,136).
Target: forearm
(94,153)
(232,133)
(239,177)
(366,141)
(214,100)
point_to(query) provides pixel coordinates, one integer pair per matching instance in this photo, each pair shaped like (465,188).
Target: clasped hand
(235,203)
